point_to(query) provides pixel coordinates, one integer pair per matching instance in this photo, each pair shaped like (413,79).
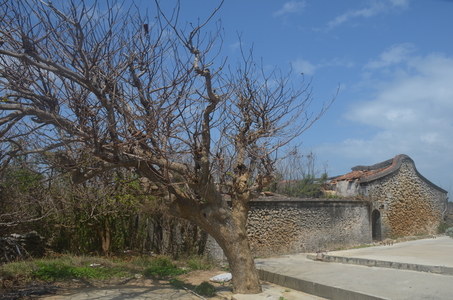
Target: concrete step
(443,270)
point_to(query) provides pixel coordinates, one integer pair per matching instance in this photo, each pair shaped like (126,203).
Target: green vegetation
(163,267)
(51,271)
(205,289)
(95,268)
(179,284)
(199,263)
(103,216)
(449,232)
(298,175)
(442,227)
(67,267)
(64,268)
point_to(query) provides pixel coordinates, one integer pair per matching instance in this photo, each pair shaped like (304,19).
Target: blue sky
(393,61)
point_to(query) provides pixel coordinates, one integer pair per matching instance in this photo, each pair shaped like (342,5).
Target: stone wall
(283,227)
(408,203)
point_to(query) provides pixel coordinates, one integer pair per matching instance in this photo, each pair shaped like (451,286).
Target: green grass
(198,263)
(56,270)
(64,268)
(22,269)
(163,266)
(67,267)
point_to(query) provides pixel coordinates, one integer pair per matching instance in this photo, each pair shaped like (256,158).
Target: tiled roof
(362,172)
(376,171)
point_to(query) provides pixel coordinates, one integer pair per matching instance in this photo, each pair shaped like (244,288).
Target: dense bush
(108,214)
(449,232)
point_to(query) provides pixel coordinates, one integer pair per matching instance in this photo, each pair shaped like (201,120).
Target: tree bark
(106,239)
(242,265)
(227,225)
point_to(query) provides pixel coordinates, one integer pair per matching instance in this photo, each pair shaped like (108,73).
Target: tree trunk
(242,265)
(106,239)
(231,235)
(227,225)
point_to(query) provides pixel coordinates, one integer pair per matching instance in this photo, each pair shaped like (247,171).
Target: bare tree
(108,88)
(299,175)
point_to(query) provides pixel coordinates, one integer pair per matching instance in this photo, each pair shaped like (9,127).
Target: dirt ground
(14,289)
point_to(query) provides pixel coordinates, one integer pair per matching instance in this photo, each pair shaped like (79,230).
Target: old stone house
(403,202)
(388,199)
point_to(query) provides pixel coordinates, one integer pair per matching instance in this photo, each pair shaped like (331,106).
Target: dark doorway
(376,225)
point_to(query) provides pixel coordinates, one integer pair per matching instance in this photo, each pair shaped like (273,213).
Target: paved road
(433,252)
(362,282)
(270,292)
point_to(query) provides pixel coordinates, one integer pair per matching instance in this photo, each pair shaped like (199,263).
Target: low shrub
(205,289)
(177,284)
(442,227)
(449,232)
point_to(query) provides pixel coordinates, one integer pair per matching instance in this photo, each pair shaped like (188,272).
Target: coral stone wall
(283,227)
(408,204)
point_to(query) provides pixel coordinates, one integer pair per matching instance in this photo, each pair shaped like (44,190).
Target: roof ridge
(396,163)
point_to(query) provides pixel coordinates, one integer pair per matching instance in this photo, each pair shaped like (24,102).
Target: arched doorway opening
(376,225)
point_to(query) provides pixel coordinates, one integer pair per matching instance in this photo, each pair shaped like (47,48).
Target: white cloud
(415,100)
(374,8)
(410,112)
(307,68)
(290,7)
(304,66)
(394,55)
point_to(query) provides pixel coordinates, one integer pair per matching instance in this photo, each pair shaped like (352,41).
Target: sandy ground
(12,290)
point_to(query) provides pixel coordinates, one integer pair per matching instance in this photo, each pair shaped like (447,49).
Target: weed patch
(205,289)
(362,246)
(199,263)
(51,271)
(163,267)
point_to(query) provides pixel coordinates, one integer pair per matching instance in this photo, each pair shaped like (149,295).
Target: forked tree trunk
(227,225)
